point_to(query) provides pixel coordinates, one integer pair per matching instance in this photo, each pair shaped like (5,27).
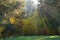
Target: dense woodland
(24,18)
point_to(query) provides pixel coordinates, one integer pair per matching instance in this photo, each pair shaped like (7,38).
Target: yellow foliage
(35,14)
(26,21)
(1,29)
(12,20)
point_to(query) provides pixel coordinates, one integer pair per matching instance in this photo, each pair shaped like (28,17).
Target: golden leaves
(12,20)
(25,21)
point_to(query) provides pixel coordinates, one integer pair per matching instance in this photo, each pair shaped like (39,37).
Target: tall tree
(47,11)
(11,11)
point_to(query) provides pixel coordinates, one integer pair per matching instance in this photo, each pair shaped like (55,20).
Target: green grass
(33,38)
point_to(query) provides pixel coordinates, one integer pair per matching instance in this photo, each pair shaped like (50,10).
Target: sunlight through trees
(29,17)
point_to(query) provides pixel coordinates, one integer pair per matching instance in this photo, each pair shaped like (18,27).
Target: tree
(11,11)
(47,11)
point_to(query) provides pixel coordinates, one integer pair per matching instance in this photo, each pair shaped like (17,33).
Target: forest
(29,17)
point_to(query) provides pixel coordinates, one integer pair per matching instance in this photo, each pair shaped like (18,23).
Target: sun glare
(35,1)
